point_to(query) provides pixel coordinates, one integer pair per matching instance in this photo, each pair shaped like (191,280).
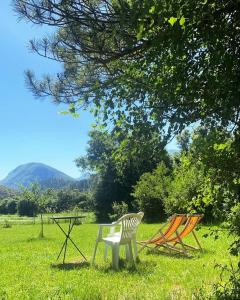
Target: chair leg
(131,257)
(115,256)
(127,252)
(105,251)
(182,244)
(94,253)
(142,247)
(196,239)
(135,250)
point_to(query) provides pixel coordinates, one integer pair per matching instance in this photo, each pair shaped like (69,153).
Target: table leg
(61,249)
(64,246)
(77,248)
(65,243)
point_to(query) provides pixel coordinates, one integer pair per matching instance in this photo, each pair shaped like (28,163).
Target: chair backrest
(190,225)
(175,221)
(129,224)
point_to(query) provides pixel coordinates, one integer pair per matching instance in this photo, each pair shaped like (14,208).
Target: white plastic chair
(126,236)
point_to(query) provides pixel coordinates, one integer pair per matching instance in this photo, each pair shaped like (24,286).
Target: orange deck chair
(161,238)
(191,223)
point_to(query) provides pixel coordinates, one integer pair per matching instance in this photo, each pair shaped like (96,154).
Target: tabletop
(67,217)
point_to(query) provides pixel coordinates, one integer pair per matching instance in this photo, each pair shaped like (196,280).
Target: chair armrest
(110,226)
(106,225)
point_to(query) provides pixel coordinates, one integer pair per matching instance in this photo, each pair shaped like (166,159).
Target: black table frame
(72,220)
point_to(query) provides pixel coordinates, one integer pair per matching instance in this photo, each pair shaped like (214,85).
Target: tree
(99,160)
(161,61)
(206,177)
(33,201)
(183,140)
(26,208)
(3,204)
(151,192)
(11,205)
(120,158)
(68,199)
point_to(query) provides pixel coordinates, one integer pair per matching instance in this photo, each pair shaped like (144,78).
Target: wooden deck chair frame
(191,223)
(161,238)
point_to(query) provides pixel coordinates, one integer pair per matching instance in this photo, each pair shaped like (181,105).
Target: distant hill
(42,174)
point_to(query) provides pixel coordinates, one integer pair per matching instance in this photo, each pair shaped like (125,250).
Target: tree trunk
(41,232)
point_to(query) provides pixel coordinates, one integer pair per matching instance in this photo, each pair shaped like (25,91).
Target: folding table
(72,221)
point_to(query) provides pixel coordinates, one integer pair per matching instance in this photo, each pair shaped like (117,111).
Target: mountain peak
(35,172)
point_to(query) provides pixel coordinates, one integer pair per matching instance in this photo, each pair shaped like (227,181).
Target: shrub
(228,290)
(8,206)
(192,191)
(69,198)
(3,206)
(234,220)
(85,201)
(119,209)
(11,206)
(6,224)
(27,208)
(151,191)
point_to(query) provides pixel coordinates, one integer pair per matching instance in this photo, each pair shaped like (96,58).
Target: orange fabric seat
(191,223)
(171,237)
(160,238)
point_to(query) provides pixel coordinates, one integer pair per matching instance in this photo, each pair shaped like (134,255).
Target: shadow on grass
(192,254)
(37,239)
(208,251)
(172,254)
(71,265)
(140,268)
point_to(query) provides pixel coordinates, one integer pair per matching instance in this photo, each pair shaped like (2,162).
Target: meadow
(29,269)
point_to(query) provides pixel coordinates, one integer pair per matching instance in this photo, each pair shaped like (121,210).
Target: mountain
(42,174)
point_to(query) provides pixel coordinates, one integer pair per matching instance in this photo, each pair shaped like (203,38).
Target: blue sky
(32,130)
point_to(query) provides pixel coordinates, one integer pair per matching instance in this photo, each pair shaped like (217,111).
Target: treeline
(33,200)
(203,178)
(60,183)
(136,173)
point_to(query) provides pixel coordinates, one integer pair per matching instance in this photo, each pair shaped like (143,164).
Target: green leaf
(182,21)
(172,20)
(75,115)
(64,112)
(71,108)
(140,31)
(220,147)
(94,126)
(152,9)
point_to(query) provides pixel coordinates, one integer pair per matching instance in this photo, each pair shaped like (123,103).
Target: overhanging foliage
(165,62)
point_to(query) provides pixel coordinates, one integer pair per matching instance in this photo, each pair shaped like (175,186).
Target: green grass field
(28,268)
